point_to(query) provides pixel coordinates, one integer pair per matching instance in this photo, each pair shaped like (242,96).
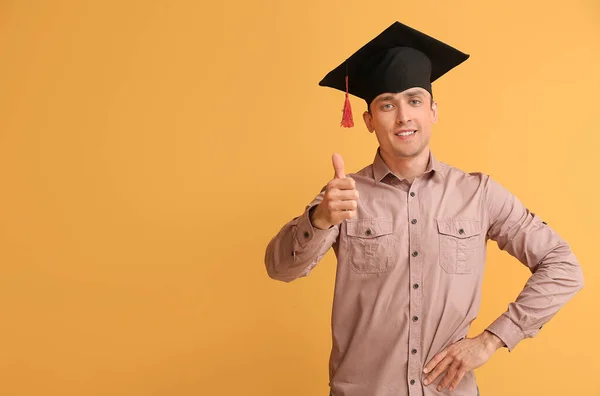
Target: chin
(407,154)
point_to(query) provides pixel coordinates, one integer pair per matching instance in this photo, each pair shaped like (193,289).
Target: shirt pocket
(371,245)
(459,244)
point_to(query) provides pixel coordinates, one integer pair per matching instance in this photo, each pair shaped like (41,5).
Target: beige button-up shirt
(409,273)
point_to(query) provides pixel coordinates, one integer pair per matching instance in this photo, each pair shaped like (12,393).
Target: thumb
(338,166)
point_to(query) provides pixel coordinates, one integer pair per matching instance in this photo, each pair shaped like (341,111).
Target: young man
(409,233)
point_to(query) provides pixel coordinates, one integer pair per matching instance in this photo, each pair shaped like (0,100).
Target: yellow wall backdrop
(150,149)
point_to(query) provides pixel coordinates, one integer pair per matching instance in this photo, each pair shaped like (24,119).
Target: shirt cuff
(306,233)
(507,331)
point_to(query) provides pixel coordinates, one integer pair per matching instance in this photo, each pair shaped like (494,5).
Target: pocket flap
(368,228)
(459,228)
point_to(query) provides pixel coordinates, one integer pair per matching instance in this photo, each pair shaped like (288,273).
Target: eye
(387,106)
(415,102)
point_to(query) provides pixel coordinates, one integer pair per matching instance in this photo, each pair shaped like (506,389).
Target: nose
(402,116)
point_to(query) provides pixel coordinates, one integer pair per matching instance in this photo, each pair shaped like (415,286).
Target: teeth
(405,133)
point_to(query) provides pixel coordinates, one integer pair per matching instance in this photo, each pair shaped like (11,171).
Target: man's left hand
(460,358)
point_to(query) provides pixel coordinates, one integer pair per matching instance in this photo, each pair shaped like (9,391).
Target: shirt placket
(416,292)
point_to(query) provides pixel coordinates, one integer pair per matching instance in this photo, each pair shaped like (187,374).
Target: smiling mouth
(406,133)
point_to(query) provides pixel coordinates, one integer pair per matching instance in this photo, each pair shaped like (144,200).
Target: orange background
(149,151)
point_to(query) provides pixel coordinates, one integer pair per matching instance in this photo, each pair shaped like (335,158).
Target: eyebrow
(386,98)
(413,93)
(410,94)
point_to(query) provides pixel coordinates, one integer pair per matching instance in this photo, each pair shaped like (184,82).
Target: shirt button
(293,253)
(414,351)
(416,286)
(412,382)
(412,194)
(461,231)
(415,254)
(368,232)
(414,221)
(415,318)
(306,234)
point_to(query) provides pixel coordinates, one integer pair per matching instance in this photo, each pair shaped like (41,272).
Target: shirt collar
(381,170)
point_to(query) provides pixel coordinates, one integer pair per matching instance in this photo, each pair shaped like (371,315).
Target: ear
(368,118)
(434,112)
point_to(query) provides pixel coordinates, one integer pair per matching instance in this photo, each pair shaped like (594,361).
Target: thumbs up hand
(340,200)
(338,166)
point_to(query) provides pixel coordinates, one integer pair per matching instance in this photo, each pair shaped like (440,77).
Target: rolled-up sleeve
(298,246)
(556,274)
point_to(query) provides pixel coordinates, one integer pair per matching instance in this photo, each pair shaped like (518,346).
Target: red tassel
(347,120)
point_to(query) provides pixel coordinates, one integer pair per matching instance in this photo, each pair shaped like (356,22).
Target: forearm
(297,248)
(554,282)
(556,273)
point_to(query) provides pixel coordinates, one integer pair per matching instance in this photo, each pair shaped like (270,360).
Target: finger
(341,215)
(338,166)
(343,205)
(342,184)
(459,376)
(344,195)
(439,369)
(449,377)
(434,362)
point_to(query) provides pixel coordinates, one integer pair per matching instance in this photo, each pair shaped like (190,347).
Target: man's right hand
(340,200)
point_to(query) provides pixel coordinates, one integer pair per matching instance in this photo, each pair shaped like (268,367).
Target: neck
(407,167)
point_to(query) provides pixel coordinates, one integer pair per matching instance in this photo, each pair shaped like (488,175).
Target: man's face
(402,122)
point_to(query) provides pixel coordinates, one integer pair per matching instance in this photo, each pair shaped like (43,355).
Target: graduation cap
(397,59)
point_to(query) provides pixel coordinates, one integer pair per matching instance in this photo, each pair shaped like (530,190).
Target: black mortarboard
(397,59)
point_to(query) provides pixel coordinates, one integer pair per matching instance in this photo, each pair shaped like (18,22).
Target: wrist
(315,220)
(491,340)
